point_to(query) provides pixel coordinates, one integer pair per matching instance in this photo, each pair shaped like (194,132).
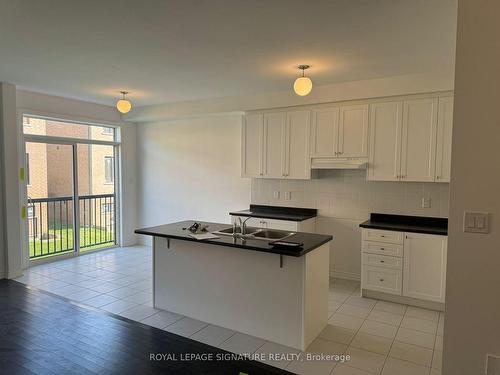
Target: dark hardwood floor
(45,334)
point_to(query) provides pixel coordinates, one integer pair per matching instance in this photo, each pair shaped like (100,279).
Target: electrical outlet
(288,195)
(426,202)
(276,194)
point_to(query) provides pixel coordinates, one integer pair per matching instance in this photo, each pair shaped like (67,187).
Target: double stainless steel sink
(256,233)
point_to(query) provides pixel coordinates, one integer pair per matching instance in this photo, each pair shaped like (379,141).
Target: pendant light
(123,105)
(303,85)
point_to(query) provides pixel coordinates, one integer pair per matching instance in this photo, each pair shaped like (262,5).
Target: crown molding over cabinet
(404,138)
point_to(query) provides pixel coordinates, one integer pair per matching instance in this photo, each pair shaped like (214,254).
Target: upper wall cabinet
(410,140)
(297,160)
(324,132)
(418,147)
(402,140)
(276,145)
(385,141)
(444,130)
(340,132)
(353,131)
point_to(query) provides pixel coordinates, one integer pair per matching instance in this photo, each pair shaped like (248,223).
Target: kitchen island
(247,285)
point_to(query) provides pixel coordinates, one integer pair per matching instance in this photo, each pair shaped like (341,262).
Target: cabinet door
(353,131)
(424,270)
(298,161)
(444,130)
(418,155)
(274,133)
(386,121)
(252,145)
(324,132)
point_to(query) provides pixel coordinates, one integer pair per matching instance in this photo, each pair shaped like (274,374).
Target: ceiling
(165,51)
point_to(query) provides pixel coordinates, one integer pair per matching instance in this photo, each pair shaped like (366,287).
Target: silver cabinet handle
(382,248)
(437,177)
(382,280)
(382,261)
(382,235)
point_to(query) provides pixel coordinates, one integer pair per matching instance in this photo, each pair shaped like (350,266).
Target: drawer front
(382,248)
(381,279)
(382,261)
(383,236)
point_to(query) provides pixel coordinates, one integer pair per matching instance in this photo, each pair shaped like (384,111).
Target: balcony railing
(50,224)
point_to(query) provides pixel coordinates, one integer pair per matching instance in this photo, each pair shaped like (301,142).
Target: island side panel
(243,290)
(316,287)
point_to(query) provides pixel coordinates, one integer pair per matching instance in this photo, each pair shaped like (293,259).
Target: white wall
(365,89)
(190,170)
(472,322)
(344,199)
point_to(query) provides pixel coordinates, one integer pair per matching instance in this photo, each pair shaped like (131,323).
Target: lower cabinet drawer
(381,279)
(382,248)
(382,261)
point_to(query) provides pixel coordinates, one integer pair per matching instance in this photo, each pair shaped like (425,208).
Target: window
(107,131)
(106,208)
(109,169)
(28,169)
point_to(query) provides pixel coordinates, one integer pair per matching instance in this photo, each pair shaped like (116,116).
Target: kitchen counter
(403,223)
(243,285)
(277,212)
(311,241)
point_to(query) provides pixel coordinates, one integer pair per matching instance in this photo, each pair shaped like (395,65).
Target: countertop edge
(389,226)
(278,251)
(272,216)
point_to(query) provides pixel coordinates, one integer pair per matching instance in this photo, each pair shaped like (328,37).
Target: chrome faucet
(243,226)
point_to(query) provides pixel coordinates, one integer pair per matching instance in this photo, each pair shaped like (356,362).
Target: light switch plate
(288,195)
(476,222)
(276,194)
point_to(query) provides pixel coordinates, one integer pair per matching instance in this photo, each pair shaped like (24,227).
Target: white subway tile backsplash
(346,194)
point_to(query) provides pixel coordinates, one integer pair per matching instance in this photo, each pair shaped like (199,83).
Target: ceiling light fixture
(303,85)
(123,105)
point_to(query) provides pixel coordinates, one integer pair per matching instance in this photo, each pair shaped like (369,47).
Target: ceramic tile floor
(381,337)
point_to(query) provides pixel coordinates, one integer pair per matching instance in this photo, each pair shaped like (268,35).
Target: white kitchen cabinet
(324,132)
(353,131)
(404,142)
(276,145)
(404,263)
(444,132)
(252,145)
(297,160)
(418,148)
(386,125)
(340,132)
(424,269)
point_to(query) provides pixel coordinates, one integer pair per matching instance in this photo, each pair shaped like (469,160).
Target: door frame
(73,142)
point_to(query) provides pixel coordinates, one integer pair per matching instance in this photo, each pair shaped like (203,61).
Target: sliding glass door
(50,196)
(70,187)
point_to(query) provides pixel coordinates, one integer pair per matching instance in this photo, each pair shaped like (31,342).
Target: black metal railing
(51,224)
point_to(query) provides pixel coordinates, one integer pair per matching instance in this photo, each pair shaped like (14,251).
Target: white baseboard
(345,275)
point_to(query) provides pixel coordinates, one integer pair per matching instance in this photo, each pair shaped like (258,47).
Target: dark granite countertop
(311,241)
(403,223)
(277,212)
